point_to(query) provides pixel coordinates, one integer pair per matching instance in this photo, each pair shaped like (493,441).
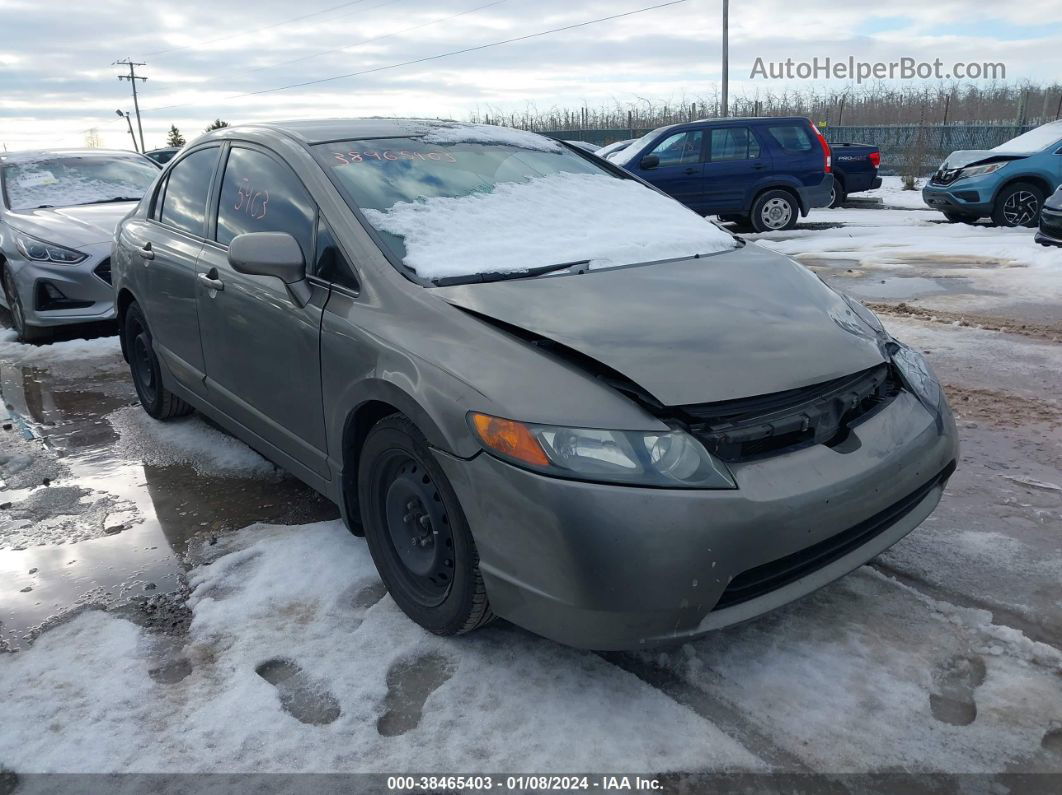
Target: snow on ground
(14,352)
(559,218)
(893,195)
(957,265)
(358,687)
(189,440)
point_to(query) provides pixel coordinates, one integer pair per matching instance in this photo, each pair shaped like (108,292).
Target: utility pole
(132,77)
(125,115)
(726,58)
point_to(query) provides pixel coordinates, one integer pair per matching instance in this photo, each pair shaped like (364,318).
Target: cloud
(56,80)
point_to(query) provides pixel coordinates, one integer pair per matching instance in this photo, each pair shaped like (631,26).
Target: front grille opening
(754,428)
(49,296)
(778,573)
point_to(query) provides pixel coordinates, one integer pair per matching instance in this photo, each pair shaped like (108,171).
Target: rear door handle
(146,251)
(759,166)
(210,280)
(690,171)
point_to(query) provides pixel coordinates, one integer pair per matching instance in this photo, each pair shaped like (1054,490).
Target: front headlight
(42,251)
(670,459)
(977,171)
(918,375)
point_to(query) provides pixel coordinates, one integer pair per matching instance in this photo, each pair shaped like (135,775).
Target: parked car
(541,389)
(759,172)
(615,146)
(855,169)
(1007,183)
(57,221)
(164,155)
(586,146)
(1050,232)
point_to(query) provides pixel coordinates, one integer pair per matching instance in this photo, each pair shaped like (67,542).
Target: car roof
(34,154)
(316,131)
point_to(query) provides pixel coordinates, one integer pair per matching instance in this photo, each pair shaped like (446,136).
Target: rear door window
(792,138)
(185,198)
(680,149)
(261,194)
(733,143)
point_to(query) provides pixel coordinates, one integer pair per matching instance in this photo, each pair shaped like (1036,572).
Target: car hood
(81,225)
(969,157)
(737,324)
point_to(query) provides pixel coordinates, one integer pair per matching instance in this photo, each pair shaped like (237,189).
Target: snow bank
(70,351)
(894,196)
(455,133)
(189,440)
(559,218)
(97,694)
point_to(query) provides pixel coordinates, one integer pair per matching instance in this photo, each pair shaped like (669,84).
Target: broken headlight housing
(664,459)
(917,375)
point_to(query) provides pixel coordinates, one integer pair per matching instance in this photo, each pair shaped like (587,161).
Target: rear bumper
(609,567)
(816,195)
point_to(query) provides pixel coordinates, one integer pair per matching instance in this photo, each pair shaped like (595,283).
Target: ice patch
(277,675)
(189,440)
(563,217)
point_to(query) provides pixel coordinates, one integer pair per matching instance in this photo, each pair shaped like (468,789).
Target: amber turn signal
(509,438)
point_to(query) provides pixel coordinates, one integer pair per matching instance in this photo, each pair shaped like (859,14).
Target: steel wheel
(141,362)
(776,213)
(418,527)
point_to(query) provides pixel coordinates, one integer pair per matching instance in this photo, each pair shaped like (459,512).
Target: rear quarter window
(791,138)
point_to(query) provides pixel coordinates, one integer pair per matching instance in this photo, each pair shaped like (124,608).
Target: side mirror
(650,161)
(275,254)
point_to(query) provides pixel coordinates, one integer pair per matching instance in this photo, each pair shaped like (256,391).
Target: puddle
(895,287)
(144,515)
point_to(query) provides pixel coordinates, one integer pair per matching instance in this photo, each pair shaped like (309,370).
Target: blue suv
(760,172)
(1008,183)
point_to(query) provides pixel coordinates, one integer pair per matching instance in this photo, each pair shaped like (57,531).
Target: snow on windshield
(1034,140)
(489,134)
(563,217)
(65,181)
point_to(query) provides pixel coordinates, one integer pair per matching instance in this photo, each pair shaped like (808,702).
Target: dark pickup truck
(855,168)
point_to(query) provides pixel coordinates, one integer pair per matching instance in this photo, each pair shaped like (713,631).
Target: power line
(347,47)
(258,30)
(444,54)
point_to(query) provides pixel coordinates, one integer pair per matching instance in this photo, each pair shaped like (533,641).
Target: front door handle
(690,171)
(210,280)
(759,166)
(146,251)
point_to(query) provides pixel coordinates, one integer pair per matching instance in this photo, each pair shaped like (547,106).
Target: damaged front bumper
(611,567)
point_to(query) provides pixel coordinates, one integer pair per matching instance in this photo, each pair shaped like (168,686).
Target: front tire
(417,533)
(1018,205)
(774,211)
(157,400)
(23,331)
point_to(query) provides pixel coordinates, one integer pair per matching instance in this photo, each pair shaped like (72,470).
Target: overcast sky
(57,81)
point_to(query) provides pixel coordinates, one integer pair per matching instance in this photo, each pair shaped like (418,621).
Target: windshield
(1035,140)
(625,155)
(449,210)
(65,180)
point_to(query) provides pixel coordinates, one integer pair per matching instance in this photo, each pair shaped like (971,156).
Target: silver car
(58,212)
(540,388)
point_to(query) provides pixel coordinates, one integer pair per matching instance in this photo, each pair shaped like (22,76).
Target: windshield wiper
(498,276)
(109,201)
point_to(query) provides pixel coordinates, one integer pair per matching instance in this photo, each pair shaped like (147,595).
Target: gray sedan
(541,389)
(57,220)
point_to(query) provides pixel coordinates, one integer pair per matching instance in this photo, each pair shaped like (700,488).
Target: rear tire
(23,331)
(837,194)
(774,211)
(144,365)
(1018,205)
(417,533)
